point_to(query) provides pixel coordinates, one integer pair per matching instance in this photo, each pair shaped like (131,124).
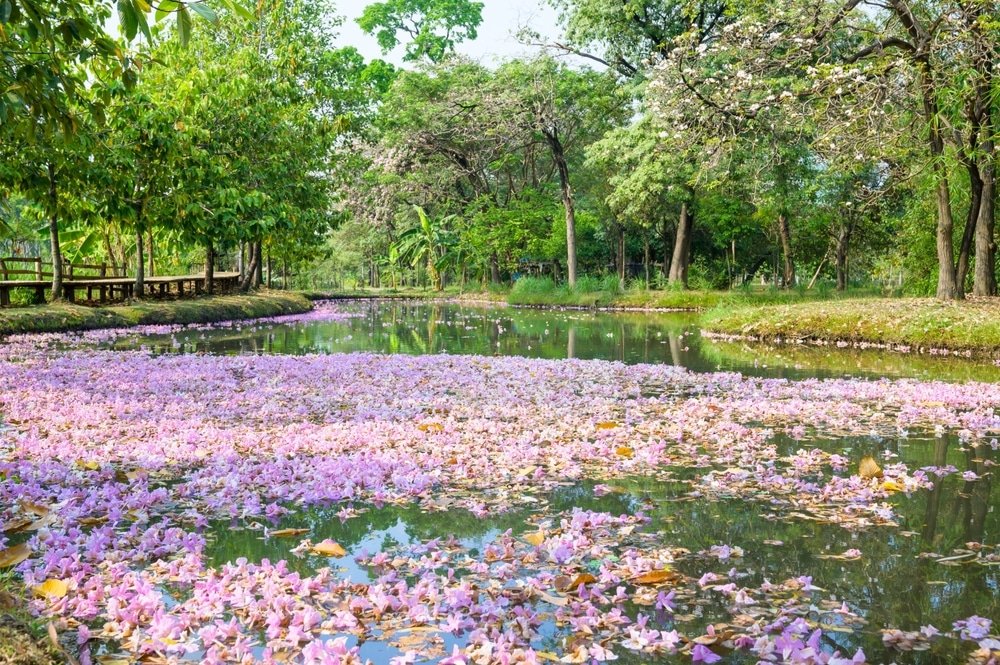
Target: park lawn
(61,316)
(923,324)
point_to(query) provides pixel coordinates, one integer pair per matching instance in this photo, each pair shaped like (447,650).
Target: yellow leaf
(606,424)
(51,588)
(430,427)
(625,451)
(88,465)
(329,548)
(285,533)
(869,468)
(892,486)
(536,538)
(12,556)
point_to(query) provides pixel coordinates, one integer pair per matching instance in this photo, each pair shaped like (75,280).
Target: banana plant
(429,242)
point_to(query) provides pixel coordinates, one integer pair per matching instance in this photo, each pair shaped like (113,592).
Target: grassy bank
(605,293)
(922,324)
(56,317)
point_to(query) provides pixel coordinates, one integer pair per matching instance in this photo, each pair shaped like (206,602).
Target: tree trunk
(682,248)
(842,274)
(258,268)
(57,262)
(140,270)
(971,221)
(985,281)
(645,258)
(666,248)
(149,234)
(251,269)
(209,268)
(494,269)
(620,255)
(785,233)
(559,155)
(843,246)
(270,269)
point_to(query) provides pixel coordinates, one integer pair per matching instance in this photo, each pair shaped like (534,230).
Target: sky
(497,40)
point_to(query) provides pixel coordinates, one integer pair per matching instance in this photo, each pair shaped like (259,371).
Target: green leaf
(204,11)
(140,15)
(128,18)
(240,9)
(166,8)
(184,25)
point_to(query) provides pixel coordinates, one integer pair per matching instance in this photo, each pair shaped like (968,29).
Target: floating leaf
(869,468)
(892,486)
(51,588)
(12,556)
(656,577)
(286,533)
(328,548)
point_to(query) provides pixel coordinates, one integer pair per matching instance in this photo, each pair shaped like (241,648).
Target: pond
(414,327)
(463,499)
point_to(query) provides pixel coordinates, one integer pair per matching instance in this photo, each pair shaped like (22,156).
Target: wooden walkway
(121,288)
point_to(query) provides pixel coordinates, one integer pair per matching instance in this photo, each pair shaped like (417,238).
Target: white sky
(496,41)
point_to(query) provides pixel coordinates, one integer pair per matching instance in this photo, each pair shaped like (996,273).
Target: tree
(567,108)
(432,27)
(859,72)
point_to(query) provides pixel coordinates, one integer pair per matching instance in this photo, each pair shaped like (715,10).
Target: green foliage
(431,28)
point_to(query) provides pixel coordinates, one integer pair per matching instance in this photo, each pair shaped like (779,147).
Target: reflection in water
(424,328)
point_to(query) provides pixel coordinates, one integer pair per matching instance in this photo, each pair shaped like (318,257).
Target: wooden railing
(37,270)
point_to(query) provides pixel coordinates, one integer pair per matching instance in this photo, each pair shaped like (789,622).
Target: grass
(23,639)
(923,324)
(56,317)
(606,293)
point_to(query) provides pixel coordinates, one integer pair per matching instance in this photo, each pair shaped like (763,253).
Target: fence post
(38,268)
(3,268)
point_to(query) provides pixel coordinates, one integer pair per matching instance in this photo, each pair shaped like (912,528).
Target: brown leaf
(656,577)
(285,533)
(16,524)
(14,555)
(869,468)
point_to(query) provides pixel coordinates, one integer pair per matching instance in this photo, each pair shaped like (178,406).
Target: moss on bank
(923,324)
(56,317)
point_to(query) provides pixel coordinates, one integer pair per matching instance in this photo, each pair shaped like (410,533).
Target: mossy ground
(924,324)
(55,317)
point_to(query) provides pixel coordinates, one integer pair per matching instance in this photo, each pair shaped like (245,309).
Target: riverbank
(921,325)
(597,294)
(59,317)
